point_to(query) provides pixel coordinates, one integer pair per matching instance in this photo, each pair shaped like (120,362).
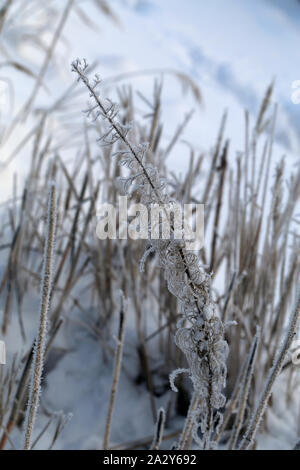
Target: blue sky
(232,49)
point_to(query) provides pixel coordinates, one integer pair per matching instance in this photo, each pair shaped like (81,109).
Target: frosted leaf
(173,376)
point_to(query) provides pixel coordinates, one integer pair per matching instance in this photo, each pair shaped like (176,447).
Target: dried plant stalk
(39,352)
(244,391)
(203,340)
(188,425)
(159,429)
(116,376)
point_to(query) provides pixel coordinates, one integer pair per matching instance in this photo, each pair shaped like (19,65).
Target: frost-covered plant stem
(116,376)
(188,425)
(275,371)
(38,362)
(200,332)
(244,391)
(76,68)
(159,429)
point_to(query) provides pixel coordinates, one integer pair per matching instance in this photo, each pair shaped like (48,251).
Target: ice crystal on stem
(200,333)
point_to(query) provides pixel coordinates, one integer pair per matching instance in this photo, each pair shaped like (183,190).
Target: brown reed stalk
(244,392)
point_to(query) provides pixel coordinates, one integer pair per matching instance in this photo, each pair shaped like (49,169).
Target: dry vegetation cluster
(220,322)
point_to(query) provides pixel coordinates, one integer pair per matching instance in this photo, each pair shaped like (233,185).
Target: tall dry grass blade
(244,392)
(38,362)
(222,169)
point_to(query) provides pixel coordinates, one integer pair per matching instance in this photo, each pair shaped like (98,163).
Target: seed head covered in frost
(200,333)
(40,343)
